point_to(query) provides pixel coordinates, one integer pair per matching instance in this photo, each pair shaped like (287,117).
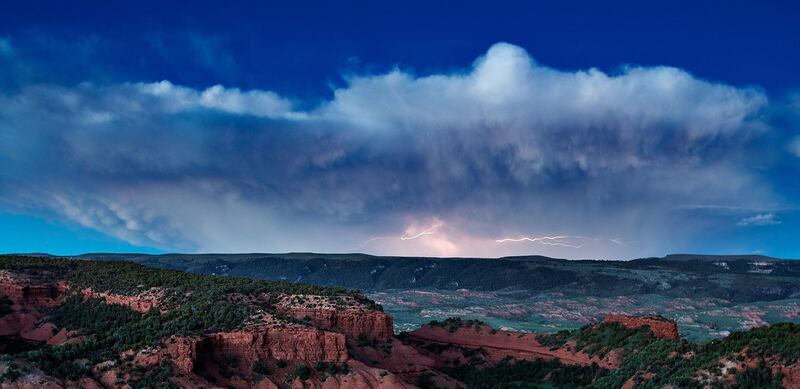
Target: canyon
(289,338)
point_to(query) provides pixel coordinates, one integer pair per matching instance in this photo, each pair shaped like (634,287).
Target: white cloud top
(507,147)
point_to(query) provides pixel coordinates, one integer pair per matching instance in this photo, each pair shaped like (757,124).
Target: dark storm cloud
(451,162)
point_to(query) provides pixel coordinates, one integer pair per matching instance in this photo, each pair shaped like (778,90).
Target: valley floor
(698,319)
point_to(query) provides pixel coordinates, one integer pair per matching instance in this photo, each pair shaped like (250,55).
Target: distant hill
(114,324)
(715,258)
(736,278)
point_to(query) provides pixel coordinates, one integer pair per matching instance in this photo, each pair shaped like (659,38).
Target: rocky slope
(116,325)
(497,345)
(297,339)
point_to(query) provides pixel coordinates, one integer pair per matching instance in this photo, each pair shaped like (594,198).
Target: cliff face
(660,326)
(206,359)
(30,298)
(226,359)
(346,315)
(141,303)
(791,374)
(302,344)
(33,292)
(30,291)
(33,295)
(353,323)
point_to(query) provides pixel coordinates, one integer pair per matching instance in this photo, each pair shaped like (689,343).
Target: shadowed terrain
(710,296)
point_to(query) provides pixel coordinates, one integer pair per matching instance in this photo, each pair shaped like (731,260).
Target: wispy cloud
(764,219)
(5,47)
(794,146)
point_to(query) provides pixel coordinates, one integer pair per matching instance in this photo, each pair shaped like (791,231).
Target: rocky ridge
(306,340)
(660,326)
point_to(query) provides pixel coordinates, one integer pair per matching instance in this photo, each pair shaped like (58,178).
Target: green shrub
(261,368)
(302,371)
(5,305)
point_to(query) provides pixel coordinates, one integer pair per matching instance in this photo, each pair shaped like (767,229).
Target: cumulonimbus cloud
(505,147)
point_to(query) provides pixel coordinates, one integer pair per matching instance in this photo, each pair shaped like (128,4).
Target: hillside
(734,278)
(709,296)
(67,323)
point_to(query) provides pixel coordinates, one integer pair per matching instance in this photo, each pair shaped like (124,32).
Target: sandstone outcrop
(360,377)
(791,374)
(141,302)
(29,291)
(33,294)
(345,315)
(353,323)
(30,297)
(304,341)
(660,326)
(291,343)
(502,344)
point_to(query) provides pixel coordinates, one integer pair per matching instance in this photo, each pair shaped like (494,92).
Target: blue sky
(571,129)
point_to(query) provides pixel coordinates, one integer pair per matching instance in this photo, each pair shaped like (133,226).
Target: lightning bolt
(560,240)
(370,240)
(429,231)
(534,239)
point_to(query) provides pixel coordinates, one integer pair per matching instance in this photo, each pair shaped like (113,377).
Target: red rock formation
(791,374)
(790,371)
(660,326)
(196,356)
(502,344)
(34,293)
(29,291)
(140,303)
(361,377)
(228,358)
(64,336)
(401,359)
(290,343)
(200,358)
(31,296)
(182,351)
(351,322)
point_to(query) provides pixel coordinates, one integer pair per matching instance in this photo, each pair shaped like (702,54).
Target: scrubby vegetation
(128,278)
(649,361)
(527,374)
(157,377)
(331,368)
(781,339)
(684,277)
(195,304)
(599,339)
(11,372)
(758,377)
(5,305)
(302,371)
(676,363)
(91,316)
(452,324)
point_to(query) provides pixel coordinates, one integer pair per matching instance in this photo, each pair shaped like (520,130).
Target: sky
(568,129)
